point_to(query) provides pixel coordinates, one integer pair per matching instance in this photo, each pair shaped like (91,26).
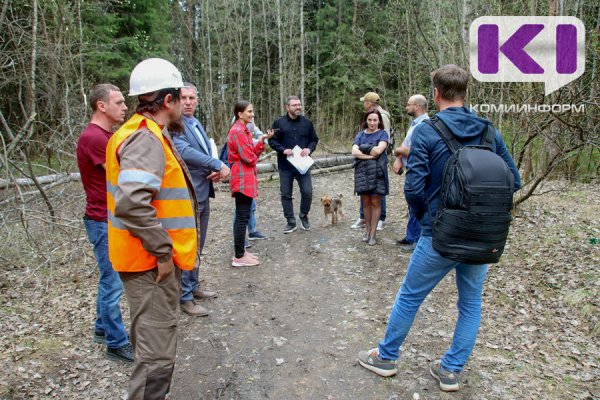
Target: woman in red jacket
(243,156)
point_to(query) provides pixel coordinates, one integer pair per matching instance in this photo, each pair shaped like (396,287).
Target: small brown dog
(333,206)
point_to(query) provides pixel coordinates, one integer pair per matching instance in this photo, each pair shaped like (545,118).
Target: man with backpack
(424,190)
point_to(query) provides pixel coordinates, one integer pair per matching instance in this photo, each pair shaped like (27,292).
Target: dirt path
(292,327)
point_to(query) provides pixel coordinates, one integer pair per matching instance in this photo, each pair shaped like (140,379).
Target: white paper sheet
(302,164)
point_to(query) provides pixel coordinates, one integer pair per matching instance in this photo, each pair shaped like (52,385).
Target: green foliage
(119,34)
(231,49)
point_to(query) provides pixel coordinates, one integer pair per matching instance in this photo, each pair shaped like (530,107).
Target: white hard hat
(154,74)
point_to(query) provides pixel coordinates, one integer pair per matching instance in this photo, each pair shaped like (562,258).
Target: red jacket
(243,156)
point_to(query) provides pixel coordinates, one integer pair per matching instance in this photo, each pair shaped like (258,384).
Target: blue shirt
(408,139)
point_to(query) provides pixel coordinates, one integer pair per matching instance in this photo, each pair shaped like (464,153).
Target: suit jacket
(197,158)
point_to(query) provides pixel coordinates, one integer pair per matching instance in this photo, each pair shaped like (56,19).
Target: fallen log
(263,167)
(62,178)
(313,171)
(325,162)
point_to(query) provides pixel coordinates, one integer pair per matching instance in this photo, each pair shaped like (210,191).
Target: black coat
(371,176)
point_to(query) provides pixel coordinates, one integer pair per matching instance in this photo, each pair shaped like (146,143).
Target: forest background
(327,52)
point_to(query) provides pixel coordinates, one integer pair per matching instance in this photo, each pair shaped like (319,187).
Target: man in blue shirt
(426,161)
(416,107)
(194,147)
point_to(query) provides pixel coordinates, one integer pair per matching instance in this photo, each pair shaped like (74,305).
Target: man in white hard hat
(152,225)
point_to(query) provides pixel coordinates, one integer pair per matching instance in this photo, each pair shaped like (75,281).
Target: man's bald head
(416,105)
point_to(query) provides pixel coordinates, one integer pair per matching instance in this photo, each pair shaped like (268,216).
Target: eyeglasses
(411,104)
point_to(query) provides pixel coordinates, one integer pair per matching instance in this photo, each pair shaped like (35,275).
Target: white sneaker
(360,223)
(380,225)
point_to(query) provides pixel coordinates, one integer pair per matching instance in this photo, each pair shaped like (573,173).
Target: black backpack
(471,226)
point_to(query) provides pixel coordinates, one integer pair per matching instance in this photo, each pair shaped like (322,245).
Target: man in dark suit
(205,168)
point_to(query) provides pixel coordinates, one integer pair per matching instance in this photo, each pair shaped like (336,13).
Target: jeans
(110,288)
(286,181)
(243,204)
(251,219)
(383,209)
(189,279)
(425,270)
(413,229)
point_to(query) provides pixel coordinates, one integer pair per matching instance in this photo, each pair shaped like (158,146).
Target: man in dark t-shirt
(108,105)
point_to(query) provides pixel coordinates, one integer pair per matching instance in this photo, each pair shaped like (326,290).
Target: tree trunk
(209,81)
(317,99)
(552,8)
(81,73)
(280,47)
(270,114)
(302,76)
(251,47)
(594,60)
(409,55)
(464,25)
(33,62)
(3,13)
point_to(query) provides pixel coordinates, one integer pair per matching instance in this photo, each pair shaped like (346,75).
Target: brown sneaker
(203,294)
(193,309)
(245,261)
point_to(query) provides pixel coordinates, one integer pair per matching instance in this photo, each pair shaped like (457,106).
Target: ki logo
(527,49)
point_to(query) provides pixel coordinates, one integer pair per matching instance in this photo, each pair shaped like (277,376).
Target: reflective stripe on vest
(174,207)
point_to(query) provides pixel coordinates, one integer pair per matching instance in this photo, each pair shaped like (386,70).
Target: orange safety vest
(174,207)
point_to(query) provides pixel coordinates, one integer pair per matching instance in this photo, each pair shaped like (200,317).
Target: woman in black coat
(370,173)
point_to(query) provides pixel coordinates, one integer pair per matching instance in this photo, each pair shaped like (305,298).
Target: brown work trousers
(154,318)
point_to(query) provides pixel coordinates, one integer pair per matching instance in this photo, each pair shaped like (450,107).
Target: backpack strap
(487,139)
(440,127)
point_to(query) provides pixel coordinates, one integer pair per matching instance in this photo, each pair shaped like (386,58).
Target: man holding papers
(294,130)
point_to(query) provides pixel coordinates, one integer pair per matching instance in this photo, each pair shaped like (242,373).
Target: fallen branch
(330,150)
(22,196)
(268,155)
(61,178)
(324,162)
(336,168)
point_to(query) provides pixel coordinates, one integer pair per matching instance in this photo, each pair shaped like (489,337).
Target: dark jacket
(428,156)
(289,133)
(370,175)
(199,160)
